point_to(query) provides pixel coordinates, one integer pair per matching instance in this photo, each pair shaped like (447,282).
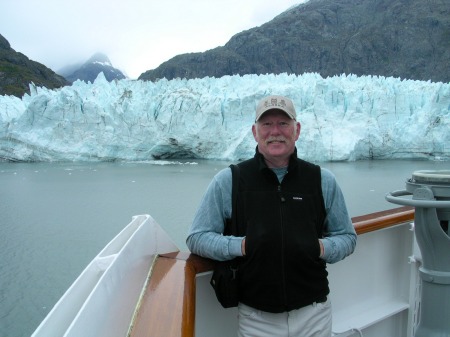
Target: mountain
(17,71)
(89,71)
(69,69)
(408,39)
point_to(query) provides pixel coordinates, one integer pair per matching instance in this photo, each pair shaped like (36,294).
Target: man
(292,220)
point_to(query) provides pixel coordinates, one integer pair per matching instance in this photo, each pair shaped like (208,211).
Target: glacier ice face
(342,118)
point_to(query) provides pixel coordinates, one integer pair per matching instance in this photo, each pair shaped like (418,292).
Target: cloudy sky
(136,35)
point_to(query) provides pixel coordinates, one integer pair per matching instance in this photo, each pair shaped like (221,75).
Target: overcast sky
(136,35)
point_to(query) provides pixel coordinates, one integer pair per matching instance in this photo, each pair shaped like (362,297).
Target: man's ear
(254,132)
(298,129)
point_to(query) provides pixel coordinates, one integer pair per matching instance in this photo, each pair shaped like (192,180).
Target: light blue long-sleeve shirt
(205,234)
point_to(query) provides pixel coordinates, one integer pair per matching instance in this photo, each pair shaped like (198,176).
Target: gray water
(54,218)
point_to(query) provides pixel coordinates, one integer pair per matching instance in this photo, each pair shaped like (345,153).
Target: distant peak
(89,71)
(100,58)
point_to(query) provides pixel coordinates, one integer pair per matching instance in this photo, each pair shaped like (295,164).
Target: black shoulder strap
(234,193)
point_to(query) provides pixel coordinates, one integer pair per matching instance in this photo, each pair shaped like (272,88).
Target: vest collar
(293,163)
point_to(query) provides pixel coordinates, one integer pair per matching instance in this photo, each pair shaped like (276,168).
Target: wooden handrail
(168,306)
(384,219)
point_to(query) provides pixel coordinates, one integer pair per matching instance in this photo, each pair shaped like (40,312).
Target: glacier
(343,118)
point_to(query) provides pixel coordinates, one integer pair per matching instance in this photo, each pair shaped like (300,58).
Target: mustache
(275,139)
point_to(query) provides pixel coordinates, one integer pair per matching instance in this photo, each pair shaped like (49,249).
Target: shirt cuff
(234,246)
(327,249)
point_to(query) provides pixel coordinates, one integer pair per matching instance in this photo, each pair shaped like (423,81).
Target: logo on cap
(275,102)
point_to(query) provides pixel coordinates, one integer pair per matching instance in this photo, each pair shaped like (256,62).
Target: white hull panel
(102,300)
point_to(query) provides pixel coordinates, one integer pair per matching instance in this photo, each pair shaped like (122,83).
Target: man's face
(276,135)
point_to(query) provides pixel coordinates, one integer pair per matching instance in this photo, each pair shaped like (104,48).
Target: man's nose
(275,128)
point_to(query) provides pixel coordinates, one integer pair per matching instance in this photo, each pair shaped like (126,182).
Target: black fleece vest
(282,223)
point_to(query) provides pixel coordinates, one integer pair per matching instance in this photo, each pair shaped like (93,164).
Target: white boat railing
(140,285)
(374,291)
(102,300)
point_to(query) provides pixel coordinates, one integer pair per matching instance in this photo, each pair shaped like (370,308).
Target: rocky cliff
(17,71)
(399,38)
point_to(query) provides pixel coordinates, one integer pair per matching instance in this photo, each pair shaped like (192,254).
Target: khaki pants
(311,321)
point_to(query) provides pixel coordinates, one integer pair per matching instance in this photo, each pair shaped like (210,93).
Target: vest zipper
(283,264)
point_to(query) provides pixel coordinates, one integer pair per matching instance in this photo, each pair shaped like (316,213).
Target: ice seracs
(343,118)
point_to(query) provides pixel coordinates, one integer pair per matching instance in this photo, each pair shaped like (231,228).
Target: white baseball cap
(275,102)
